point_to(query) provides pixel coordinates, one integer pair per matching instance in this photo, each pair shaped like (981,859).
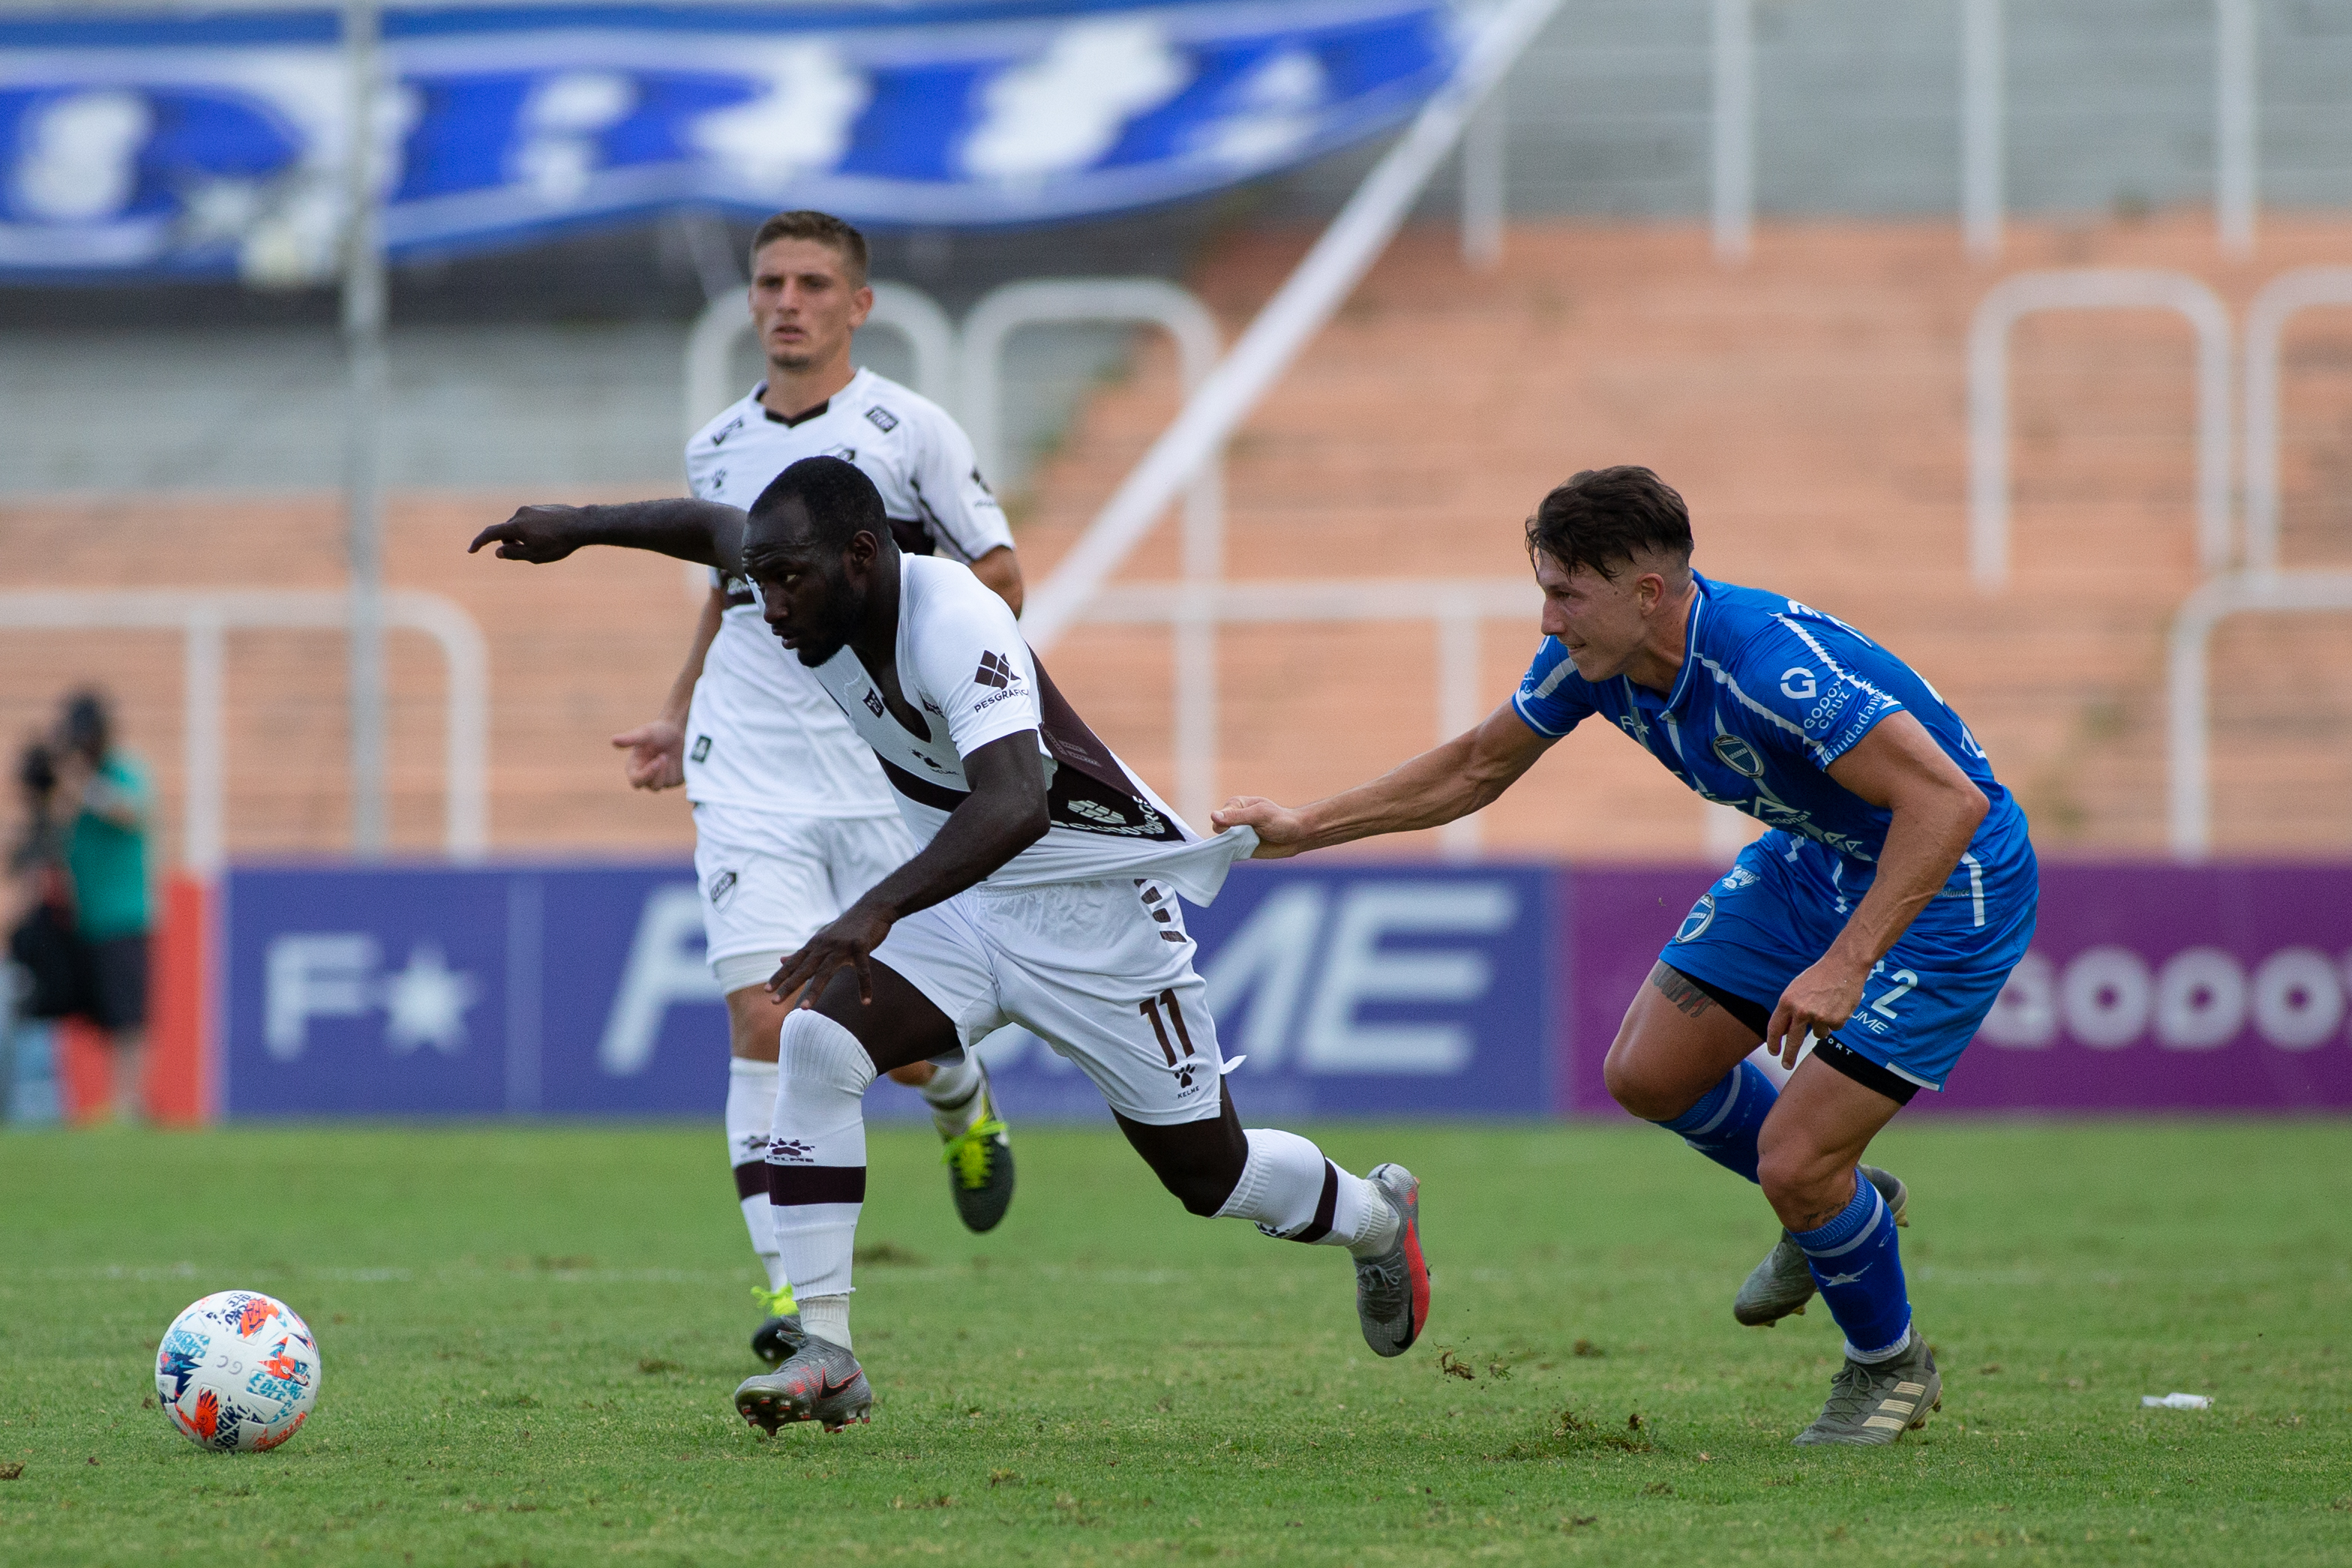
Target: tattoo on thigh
(1680,989)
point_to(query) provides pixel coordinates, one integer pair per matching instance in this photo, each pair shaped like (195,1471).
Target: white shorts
(1101,971)
(770,881)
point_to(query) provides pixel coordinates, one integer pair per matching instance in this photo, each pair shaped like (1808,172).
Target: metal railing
(898,307)
(2267,321)
(1307,299)
(2090,288)
(1078,301)
(2191,738)
(1454,607)
(1061,301)
(2236,141)
(204,617)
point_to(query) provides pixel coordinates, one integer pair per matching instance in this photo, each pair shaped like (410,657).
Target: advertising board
(564,990)
(2149,988)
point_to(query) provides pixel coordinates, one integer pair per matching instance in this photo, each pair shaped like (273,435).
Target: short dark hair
(822,227)
(88,726)
(1605,517)
(840,500)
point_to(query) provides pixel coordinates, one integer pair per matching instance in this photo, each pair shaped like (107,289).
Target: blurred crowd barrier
(1352,987)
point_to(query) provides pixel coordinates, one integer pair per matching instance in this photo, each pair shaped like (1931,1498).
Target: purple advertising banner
(2149,988)
(582,990)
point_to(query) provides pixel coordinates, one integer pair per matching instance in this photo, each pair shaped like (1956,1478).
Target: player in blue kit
(1879,916)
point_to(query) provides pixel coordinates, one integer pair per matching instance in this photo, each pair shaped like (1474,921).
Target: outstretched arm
(1446,782)
(1004,814)
(1898,766)
(706,532)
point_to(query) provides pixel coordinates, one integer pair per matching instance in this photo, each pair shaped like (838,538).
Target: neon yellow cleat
(980,1168)
(775,1341)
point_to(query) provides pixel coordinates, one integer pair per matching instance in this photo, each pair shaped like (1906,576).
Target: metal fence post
(1982,155)
(363,325)
(2237,132)
(1735,130)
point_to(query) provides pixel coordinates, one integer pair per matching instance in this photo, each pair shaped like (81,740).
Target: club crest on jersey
(874,703)
(882,419)
(995,670)
(847,453)
(701,752)
(1695,923)
(1738,756)
(718,437)
(722,888)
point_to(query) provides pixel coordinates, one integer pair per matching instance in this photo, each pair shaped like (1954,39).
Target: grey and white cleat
(1783,1283)
(1873,1404)
(820,1382)
(1392,1287)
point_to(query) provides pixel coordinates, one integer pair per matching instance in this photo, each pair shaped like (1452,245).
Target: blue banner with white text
(1350,989)
(213,144)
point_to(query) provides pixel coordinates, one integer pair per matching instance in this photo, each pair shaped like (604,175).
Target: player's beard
(845,605)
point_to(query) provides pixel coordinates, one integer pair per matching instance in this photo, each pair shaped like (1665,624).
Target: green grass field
(530,1338)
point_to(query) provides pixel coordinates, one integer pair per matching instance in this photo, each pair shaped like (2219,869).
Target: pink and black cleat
(1392,1289)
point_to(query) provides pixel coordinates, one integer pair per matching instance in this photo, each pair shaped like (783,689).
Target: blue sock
(1724,1123)
(1855,1263)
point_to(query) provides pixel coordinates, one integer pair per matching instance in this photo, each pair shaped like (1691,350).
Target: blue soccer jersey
(1771,694)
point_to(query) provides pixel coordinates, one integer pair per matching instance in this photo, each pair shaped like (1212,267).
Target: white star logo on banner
(425,1003)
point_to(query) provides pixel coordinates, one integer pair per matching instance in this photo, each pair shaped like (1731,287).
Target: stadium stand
(1810,405)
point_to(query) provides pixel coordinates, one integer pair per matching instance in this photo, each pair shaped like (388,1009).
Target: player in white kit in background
(793,819)
(1041,895)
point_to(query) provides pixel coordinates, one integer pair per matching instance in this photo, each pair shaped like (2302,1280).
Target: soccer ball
(238,1371)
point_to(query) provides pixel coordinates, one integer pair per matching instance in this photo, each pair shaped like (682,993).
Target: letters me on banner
(212,144)
(1351,989)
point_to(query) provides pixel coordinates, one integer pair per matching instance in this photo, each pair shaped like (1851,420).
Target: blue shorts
(1776,912)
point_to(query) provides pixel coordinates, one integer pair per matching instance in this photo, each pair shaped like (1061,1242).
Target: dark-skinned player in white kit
(1044,893)
(792,818)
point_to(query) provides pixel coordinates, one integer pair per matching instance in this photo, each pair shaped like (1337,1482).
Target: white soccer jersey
(970,679)
(762,735)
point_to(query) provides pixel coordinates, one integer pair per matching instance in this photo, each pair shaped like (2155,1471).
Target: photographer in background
(102,798)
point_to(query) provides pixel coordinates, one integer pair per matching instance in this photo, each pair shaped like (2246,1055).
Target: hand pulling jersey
(963,668)
(762,734)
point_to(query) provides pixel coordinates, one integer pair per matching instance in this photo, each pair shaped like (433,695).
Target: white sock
(954,1092)
(817,1153)
(827,1318)
(1294,1193)
(751,1106)
(1871,1358)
